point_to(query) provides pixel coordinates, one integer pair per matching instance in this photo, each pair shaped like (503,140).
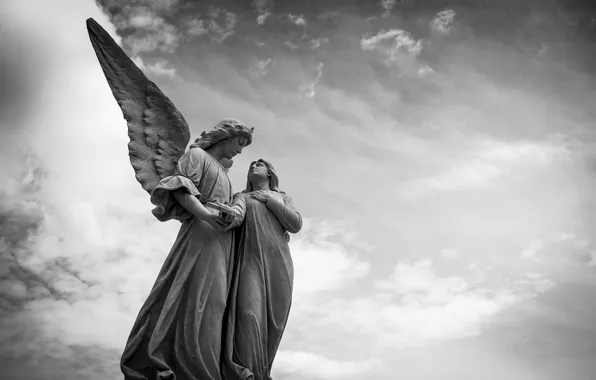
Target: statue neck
(261,185)
(215,151)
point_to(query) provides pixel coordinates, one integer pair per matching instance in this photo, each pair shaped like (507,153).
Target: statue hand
(262,196)
(216,222)
(226,217)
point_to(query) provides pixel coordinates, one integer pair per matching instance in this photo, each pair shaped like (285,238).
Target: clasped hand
(218,222)
(262,195)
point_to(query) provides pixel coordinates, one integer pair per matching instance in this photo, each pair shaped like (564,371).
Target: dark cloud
(19,75)
(26,351)
(21,217)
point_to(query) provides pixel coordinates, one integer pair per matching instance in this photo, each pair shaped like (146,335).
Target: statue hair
(273,178)
(225,129)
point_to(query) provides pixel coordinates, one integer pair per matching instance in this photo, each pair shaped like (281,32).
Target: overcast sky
(442,154)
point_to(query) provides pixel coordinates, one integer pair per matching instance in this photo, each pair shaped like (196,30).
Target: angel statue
(178,332)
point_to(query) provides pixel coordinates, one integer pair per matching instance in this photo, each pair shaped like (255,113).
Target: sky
(441,154)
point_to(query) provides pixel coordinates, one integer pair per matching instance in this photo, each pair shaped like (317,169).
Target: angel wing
(157,130)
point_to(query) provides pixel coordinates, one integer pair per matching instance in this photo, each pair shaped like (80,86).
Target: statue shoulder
(196,155)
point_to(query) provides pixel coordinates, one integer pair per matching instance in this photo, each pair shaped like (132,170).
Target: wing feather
(157,130)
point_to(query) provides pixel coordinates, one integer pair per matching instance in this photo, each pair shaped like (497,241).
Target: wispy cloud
(262,67)
(263,17)
(162,67)
(387,6)
(290,45)
(443,21)
(309,89)
(398,46)
(263,8)
(425,70)
(413,306)
(166,6)
(488,161)
(151,31)
(226,25)
(196,27)
(315,43)
(297,19)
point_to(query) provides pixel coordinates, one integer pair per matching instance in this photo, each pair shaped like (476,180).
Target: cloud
(402,41)
(387,6)
(149,27)
(290,45)
(218,23)
(531,250)
(564,248)
(261,67)
(425,70)
(262,5)
(196,27)
(162,67)
(309,89)
(315,43)
(412,307)
(226,25)
(308,365)
(443,22)
(263,8)
(465,175)
(328,15)
(151,31)
(398,47)
(158,5)
(323,262)
(297,19)
(488,160)
(433,308)
(263,17)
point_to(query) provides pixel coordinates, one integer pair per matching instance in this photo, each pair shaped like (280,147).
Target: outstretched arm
(285,212)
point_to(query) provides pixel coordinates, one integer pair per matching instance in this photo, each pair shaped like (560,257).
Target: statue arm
(192,204)
(190,168)
(239,205)
(285,212)
(178,196)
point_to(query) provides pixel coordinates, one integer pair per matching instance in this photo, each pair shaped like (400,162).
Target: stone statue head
(225,129)
(222,132)
(258,171)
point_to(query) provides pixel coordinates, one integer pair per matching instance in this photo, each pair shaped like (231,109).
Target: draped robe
(261,293)
(178,331)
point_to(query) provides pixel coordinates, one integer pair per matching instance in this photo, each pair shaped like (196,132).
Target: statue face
(233,146)
(257,170)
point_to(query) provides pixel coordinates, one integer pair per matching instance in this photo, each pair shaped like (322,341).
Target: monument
(220,303)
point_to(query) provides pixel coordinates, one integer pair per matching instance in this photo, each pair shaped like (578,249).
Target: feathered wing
(157,130)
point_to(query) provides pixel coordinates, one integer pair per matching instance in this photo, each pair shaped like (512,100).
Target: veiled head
(225,129)
(258,171)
